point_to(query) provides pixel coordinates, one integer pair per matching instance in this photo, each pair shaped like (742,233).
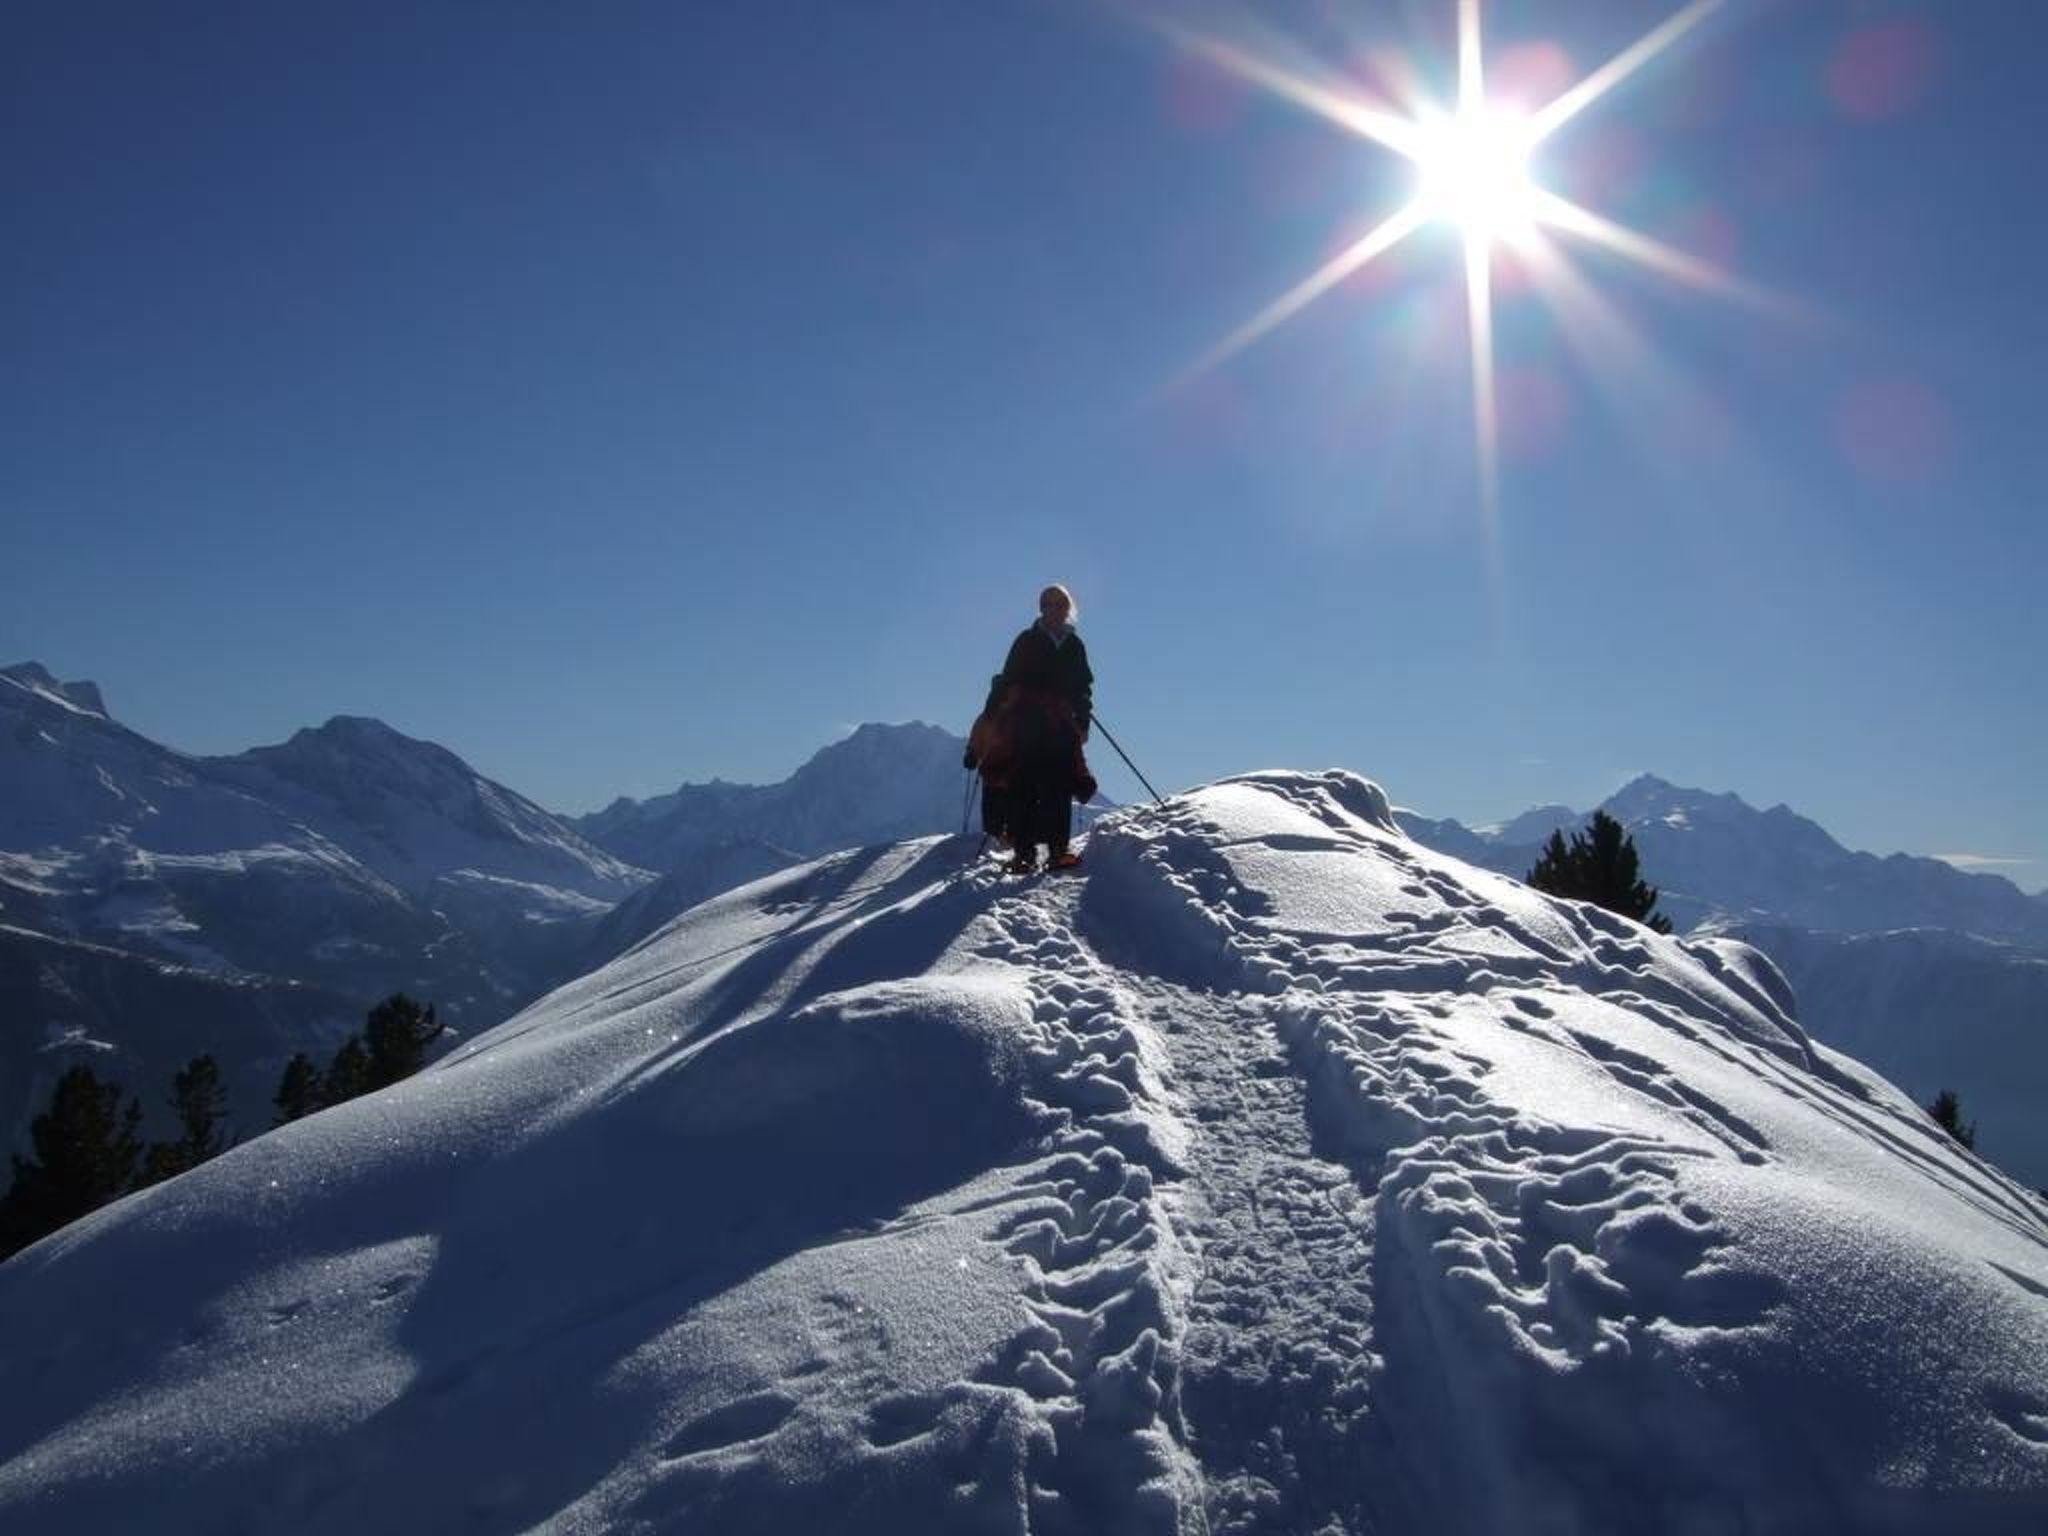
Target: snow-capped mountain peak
(1647,798)
(364,742)
(35,679)
(415,811)
(877,748)
(878,784)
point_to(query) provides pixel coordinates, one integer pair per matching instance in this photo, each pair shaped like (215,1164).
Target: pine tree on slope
(398,1033)
(1599,865)
(391,1046)
(348,1075)
(298,1090)
(87,1145)
(201,1103)
(1947,1111)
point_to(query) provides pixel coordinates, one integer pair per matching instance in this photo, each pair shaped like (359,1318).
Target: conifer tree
(398,1033)
(201,1104)
(348,1075)
(298,1089)
(1947,1111)
(86,1147)
(391,1046)
(1599,865)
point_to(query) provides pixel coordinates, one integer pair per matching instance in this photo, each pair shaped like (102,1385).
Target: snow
(1275,1174)
(1936,977)
(33,678)
(352,859)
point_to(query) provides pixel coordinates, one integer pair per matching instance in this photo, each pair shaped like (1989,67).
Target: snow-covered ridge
(33,677)
(1276,1174)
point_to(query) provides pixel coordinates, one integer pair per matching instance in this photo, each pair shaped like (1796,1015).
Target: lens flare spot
(1882,71)
(1531,72)
(1200,97)
(1893,431)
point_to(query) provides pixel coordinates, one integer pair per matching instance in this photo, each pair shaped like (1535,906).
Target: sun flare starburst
(1474,163)
(1472,170)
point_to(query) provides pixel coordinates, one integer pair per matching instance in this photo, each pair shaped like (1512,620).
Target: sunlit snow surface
(1275,1175)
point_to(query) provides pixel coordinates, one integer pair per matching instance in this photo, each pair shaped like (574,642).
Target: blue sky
(627,394)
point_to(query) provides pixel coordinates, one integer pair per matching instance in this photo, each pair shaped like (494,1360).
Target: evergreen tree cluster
(1599,865)
(87,1147)
(390,1047)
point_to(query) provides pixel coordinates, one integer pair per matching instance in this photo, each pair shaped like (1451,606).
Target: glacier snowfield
(1275,1174)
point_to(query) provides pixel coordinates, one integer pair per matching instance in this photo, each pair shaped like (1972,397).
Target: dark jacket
(1039,664)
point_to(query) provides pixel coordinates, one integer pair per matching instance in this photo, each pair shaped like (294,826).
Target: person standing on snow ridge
(988,751)
(1048,693)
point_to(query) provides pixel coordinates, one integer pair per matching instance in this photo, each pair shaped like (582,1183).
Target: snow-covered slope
(1276,1175)
(706,872)
(1929,974)
(1933,1010)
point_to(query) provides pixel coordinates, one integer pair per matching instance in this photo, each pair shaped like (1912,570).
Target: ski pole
(1096,721)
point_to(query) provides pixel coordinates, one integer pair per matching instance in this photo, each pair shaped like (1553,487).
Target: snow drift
(1278,1175)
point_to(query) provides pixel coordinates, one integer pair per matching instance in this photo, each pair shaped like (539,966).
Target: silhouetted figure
(985,751)
(1048,692)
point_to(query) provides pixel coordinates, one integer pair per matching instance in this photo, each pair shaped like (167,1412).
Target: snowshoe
(1064,860)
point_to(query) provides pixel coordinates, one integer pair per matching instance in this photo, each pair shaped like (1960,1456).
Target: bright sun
(1473,173)
(1472,159)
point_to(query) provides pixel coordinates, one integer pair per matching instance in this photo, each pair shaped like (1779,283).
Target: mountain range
(1718,860)
(350,854)
(1278,1174)
(154,903)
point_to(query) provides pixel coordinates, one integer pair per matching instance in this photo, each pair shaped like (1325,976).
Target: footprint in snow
(2024,1413)
(735,1423)
(893,1420)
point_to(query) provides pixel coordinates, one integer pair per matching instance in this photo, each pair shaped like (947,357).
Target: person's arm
(1084,687)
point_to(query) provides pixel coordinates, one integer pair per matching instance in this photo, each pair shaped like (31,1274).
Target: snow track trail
(1276,1359)
(1105,1262)
(1259,1304)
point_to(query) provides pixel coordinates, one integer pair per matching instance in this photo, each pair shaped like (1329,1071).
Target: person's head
(1056,605)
